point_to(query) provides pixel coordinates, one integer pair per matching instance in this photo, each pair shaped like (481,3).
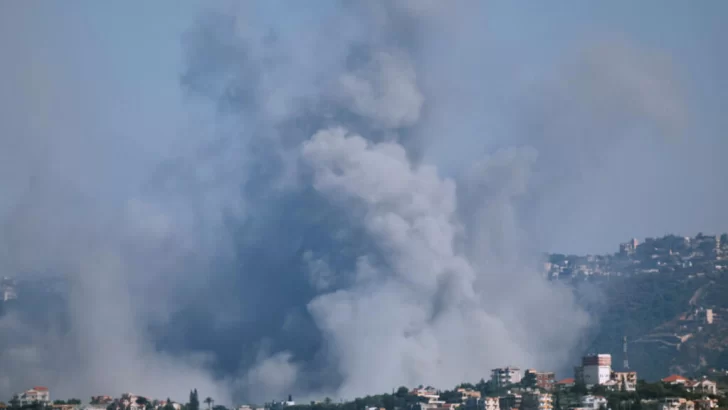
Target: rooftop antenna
(626,360)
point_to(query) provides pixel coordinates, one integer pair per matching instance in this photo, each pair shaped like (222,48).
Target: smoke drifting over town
(353,211)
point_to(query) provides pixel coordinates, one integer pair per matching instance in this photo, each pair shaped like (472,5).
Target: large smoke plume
(346,226)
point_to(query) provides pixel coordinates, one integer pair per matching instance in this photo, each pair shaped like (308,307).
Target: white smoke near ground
(314,245)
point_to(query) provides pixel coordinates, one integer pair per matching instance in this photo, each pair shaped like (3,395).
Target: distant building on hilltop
(37,394)
(628,248)
(503,377)
(277,405)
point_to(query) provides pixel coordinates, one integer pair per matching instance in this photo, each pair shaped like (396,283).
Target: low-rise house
(675,379)
(566,383)
(677,403)
(591,402)
(101,400)
(706,404)
(37,394)
(429,392)
(99,403)
(64,406)
(703,386)
(469,393)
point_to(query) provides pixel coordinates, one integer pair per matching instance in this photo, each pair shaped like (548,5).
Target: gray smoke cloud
(319,239)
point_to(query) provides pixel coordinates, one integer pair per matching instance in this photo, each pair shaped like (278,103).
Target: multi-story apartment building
(544,380)
(595,369)
(537,401)
(510,401)
(503,377)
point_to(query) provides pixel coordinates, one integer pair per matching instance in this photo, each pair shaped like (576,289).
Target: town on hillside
(666,295)
(594,386)
(695,256)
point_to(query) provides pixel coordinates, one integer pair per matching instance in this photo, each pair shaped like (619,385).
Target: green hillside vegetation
(654,311)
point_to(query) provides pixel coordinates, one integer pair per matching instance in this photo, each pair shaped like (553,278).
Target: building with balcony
(37,394)
(503,377)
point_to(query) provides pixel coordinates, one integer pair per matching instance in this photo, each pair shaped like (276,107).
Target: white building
(596,369)
(593,402)
(37,394)
(503,377)
(704,386)
(676,403)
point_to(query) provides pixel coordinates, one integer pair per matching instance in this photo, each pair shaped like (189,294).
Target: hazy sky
(336,197)
(89,72)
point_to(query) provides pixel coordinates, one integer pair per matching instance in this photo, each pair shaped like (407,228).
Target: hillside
(669,299)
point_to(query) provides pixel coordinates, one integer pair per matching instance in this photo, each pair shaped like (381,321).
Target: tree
(529,380)
(483,387)
(402,392)
(557,400)
(74,401)
(209,402)
(194,403)
(169,405)
(579,388)
(451,396)
(15,403)
(599,390)
(59,402)
(637,404)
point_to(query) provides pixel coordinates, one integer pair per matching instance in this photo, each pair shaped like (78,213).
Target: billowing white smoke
(417,314)
(315,245)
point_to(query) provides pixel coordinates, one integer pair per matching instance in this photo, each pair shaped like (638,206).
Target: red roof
(570,380)
(674,378)
(40,388)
